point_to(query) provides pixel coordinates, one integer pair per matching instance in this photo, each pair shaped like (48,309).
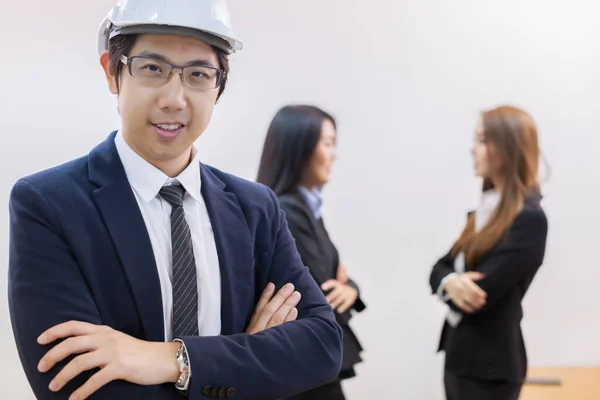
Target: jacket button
(206,390)
(215,392)
(230,392)
(222,393)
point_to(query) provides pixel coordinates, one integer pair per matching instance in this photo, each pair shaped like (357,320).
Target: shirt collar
(314,200)
(490,197)
(147,180)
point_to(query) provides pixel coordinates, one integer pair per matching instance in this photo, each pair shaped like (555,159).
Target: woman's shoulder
(532,208)
(293,205)
(290,200)
(532,217)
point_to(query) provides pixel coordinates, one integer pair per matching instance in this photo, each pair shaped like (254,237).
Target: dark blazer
(488,344)
(322,258)
(79,250)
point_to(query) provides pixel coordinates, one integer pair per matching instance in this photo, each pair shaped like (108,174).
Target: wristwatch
(183,382)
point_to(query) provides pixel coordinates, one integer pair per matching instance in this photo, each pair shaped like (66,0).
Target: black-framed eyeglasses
(158,71)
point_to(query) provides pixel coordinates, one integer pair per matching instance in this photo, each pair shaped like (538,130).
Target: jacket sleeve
(520,254)
(46,288)
(442,268)
(281,361)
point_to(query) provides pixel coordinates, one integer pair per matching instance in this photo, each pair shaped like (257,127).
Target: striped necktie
(185,288)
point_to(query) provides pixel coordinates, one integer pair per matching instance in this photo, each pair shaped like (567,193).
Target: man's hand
(341,297)
(123,357)
(465,293)
(119,357)
(273,311)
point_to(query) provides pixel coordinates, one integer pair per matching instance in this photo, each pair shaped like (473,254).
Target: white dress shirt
(489,202)
(146,182)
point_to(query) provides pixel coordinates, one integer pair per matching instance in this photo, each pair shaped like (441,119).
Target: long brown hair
(513,135)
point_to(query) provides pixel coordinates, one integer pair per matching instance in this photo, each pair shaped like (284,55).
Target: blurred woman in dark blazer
(487,272)
(296,162)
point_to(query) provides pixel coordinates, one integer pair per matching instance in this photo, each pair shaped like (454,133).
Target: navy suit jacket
(79,250)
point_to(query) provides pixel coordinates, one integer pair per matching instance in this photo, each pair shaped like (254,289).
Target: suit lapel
(120,211)
(234,247)
(316,226)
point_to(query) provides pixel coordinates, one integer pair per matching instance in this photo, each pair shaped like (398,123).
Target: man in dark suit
(136,271)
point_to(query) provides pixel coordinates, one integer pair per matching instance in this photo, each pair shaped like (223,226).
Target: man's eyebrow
(193,63)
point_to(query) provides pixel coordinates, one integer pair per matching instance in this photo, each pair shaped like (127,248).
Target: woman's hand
(465,293)
(341,297)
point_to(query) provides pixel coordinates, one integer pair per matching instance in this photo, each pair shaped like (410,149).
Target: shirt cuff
(440,291)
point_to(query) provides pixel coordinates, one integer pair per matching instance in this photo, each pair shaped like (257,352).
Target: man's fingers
(96,381)
(281,314)
(292,315)
(266,295)
(272,306)
(72,345)
(79,364)
(71,328)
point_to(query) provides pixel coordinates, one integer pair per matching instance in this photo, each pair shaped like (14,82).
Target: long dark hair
(289,146)
(513,133)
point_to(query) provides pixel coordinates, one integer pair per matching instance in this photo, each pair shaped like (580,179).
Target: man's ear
(111,79)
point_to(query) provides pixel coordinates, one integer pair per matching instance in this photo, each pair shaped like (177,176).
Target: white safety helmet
(207,20)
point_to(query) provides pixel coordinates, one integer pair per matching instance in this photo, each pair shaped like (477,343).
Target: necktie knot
(173,194)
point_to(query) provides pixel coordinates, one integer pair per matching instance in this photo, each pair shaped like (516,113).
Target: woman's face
(319,168)
(481,154)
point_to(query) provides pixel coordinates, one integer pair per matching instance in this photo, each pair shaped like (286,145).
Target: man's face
(161,121)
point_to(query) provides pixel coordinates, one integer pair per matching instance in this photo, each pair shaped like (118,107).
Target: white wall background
(406,79)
